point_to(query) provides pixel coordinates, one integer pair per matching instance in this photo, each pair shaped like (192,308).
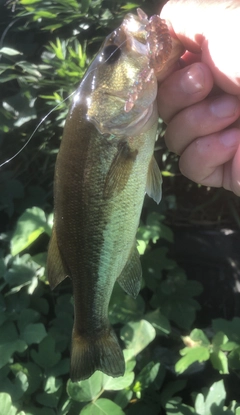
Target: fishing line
(53,109)
(35,130)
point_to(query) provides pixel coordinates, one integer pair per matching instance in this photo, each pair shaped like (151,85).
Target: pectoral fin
(120,170)
(130,277)
(55,268)
(154,181)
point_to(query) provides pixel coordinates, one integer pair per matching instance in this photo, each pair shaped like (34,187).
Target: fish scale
(104,168)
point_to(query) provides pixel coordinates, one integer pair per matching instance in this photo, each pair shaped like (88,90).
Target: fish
(104,168)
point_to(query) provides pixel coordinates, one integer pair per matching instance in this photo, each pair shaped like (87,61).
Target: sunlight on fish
(104,168)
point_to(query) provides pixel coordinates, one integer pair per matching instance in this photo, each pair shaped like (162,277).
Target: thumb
(211,28)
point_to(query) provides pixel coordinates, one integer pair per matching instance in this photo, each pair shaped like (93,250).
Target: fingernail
(229,138)
(224,107)
(193,81)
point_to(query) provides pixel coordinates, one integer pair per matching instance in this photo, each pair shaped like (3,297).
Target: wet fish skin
(104,167)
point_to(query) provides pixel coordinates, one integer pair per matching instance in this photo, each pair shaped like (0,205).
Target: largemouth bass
(104,168)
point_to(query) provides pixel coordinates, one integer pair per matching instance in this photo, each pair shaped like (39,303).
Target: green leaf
(22,106)
(52,384)
(16,303)
(234,359)
(26,317)
(229,346)
(85,6)
(214,401)
(26,2)
(9,342)
(89,389)
(179,409)
(102,407)
(59,49)
(7,78)
(29,68)
(130,360)
(6,404)
(123,308)
(181,312)
(45,14)
(53,390)
(196,338)
(166,173)
(61,329)
(153,263)
(20,386)
(154,229)
(137,335)
(147,376)
(3,316)
(174,294)
(46,356)
(34,333)
(230,328)
(159,322)
(129,6)
(9,51)
(123,397)
(220,362)
(171,389)
(61,368)
(34,376)
(10,190)
(21,273)
(39,411)
(219,340)
(86,390)
(218,358)
(41,305)
(190,356)
(122,382)
(31,224)
(50,400)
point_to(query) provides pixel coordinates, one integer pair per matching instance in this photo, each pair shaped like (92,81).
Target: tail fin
(90,353)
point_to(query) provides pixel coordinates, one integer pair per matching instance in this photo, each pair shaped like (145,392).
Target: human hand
(200,126)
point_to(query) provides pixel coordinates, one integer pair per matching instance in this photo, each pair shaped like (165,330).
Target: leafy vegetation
(44,50)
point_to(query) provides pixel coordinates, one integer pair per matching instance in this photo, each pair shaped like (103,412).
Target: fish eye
(111,53)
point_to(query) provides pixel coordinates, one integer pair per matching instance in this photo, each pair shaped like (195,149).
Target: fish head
(120,86)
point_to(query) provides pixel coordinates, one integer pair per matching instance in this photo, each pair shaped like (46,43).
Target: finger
(213,29)
(206,160)
(207,117)
(176,14)
(189,58)
(183,88)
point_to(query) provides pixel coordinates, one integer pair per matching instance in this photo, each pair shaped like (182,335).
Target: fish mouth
(134,28)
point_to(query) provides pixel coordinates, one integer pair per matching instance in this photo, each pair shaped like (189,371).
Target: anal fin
(55,268)
(131,275)
(154,181)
